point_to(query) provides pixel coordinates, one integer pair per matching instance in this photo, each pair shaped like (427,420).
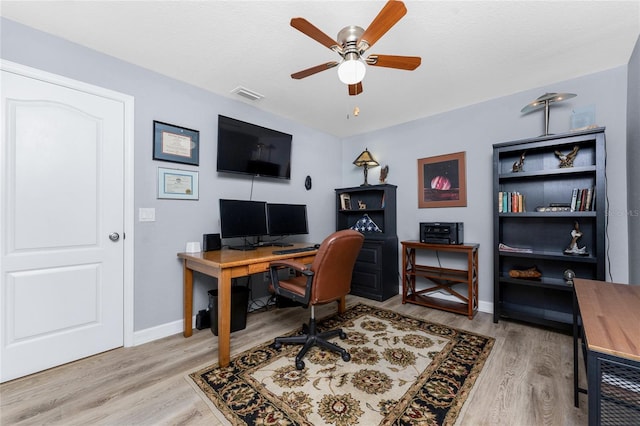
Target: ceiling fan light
(351,70)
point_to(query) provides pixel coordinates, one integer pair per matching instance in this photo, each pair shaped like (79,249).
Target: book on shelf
(574,197)
(582,199)
(587,202)
(511,202)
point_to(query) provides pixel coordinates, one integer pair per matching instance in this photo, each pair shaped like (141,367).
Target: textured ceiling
(471,51)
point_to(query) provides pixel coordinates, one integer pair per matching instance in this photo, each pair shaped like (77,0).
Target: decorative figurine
(384,172)
(567,160)
(518,165)
(573,245)
(569,275)
(361,205)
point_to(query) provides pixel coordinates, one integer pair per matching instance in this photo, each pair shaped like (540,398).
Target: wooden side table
(442,278)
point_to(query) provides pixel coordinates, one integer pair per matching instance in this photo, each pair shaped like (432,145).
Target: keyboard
(294,250)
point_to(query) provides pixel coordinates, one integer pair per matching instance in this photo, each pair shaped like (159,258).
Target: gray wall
(475,129)
(158,274)
(633,164)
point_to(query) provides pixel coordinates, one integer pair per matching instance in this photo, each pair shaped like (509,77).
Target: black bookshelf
(542,226)
(375,275)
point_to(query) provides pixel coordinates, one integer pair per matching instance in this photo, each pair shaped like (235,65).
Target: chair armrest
(297,266)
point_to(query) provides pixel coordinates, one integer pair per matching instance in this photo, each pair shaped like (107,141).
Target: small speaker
(211,242)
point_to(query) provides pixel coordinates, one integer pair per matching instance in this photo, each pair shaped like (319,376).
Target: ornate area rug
(403,370)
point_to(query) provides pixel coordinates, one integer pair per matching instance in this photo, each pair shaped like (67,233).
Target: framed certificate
(176,144)
(177,184)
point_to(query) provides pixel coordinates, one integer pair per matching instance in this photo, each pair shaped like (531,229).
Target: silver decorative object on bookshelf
(545,101)
(569,275)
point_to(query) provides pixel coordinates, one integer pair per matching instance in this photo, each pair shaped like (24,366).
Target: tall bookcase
(375,275)
(535,220)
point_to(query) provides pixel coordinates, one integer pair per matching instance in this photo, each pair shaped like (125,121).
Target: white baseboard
(175,327)
(158,332)
(164,330)
(485,307)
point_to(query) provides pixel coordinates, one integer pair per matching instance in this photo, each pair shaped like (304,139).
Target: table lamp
(545,101)
(365,159)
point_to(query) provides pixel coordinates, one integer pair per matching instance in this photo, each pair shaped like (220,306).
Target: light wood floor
(527,380)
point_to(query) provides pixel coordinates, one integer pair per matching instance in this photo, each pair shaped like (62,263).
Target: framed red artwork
(442,181)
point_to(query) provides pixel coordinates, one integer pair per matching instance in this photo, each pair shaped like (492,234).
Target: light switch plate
(147,215)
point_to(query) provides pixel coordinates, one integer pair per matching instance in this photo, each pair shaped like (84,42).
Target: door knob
(114,236)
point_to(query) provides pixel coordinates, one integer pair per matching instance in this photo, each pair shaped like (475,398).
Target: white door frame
(129,216)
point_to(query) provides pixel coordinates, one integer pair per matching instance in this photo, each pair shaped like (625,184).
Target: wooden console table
(442,278)
(609,316)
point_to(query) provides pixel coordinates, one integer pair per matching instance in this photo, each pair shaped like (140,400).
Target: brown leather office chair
(326,280)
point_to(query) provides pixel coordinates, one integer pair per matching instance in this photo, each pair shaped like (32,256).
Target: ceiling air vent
(246,93)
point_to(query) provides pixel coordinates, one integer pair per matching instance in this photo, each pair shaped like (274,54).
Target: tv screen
(240,218)
(287,219)
(253,150)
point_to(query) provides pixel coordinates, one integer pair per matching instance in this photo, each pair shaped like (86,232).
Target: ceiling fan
(353,42)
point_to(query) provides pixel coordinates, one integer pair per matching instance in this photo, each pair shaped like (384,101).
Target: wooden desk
(610,318)
(224,265)
(443,278)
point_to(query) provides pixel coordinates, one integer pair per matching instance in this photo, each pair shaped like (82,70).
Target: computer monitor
(287,219)
(241,219)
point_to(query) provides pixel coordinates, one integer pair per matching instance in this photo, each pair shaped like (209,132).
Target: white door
(61,223)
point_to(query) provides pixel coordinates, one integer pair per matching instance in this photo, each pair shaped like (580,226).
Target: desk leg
(187,300)
(224,318)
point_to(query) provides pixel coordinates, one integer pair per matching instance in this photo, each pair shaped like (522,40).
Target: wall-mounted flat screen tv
(253,150)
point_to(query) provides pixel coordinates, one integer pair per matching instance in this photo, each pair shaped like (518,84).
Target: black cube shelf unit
(540,230)
(375,275)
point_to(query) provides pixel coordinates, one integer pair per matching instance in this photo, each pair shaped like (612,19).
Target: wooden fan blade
(387,18)
(392,61)
(312,31)
(355,89)
(313,70)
